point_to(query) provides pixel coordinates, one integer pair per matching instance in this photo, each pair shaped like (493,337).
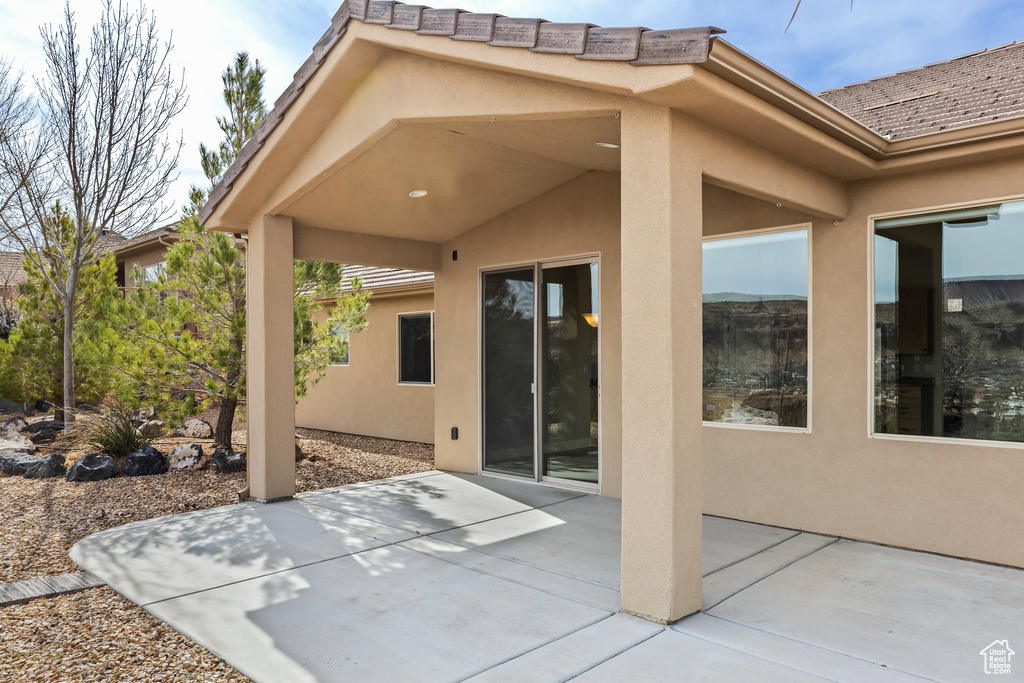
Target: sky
(828,44)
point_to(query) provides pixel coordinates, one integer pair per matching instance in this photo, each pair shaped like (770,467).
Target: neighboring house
(384,387)
(665,273)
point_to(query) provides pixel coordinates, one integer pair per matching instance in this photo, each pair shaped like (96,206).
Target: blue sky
(827,46)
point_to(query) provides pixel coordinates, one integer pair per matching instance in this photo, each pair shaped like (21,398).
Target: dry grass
(99,636)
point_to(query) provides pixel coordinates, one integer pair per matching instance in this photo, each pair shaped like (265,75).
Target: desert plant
(115,432)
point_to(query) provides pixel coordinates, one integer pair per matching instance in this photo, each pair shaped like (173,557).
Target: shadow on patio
(445,577)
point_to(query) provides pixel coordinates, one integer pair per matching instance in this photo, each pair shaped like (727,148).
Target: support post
(270,354)
(661,365)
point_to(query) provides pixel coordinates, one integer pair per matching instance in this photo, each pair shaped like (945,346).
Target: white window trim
(870,233)
(398,344)
(780,429)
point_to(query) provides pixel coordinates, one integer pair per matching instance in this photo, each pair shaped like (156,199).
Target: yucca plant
(115,431)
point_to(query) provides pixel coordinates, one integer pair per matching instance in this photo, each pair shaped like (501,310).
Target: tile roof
(11,272)
(974,88)
(636,45)
(148,236)
(378,279)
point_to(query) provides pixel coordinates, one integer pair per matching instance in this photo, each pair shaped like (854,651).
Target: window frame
(870,293)
(398,345)
(808,226)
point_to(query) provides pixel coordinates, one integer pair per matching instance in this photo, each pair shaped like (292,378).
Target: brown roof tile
(11,272)
(379,279)
(973,88)
(636,45)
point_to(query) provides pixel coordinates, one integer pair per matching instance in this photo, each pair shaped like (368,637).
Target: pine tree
(185,333)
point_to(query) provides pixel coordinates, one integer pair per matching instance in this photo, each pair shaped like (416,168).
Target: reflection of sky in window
(554,295)
(759,265)
(522,295)
(885,270)
(990,249)
(986,249)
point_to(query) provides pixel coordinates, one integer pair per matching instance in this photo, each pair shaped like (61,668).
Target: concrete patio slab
(426,505)
(579,538)
(922,614)
(791,653)
(345,586)
(307,508)
(389,614)
(727,541)
(569,657)
(671,657)
(726,582)
(195,551)
(525,574)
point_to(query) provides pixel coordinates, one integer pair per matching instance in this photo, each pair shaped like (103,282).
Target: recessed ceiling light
(608,145)
(416,194)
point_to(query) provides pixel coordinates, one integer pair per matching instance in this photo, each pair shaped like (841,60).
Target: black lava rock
(144,462)
(93,467)
(229,461)
(16,464)
(48,467)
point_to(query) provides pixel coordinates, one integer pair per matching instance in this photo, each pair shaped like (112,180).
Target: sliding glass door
(509,352)
(540,329)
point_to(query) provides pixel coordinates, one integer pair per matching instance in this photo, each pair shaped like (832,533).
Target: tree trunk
(69,359)
(225,422)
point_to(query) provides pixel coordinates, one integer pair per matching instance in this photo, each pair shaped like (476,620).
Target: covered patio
(448,577)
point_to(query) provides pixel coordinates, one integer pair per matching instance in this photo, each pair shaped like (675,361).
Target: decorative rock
(228,461)
(10,444)
(299,455)
(152,429)
(37,427)
(15,425)
(195,429)
(93,467)
(45,435)
(144,462)
(187,456)
(48,467)
(15,464)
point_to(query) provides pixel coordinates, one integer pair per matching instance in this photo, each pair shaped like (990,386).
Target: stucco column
(270,353)
(661,366)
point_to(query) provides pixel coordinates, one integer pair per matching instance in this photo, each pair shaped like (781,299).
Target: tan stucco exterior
(365,397)
(505,143)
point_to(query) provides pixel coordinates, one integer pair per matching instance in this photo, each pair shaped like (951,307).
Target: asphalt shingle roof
(974,88)
(11,272)
(375,279)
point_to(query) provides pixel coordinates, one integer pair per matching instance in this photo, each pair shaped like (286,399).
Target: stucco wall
(959,499)
(364,397)
(579,217)
(143,257)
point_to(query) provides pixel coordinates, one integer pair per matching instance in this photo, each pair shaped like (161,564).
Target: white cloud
(827,46)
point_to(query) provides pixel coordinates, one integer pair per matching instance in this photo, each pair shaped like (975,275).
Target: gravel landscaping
(97,635)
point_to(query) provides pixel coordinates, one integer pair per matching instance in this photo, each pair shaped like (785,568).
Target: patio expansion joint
(543,645)
(755,553)
(788,564)
(803,643)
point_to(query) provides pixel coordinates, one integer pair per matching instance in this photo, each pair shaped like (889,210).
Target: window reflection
(755,329)
(949,324)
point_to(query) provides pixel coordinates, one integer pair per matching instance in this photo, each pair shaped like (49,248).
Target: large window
(949,324)
(755,329)
(416,348)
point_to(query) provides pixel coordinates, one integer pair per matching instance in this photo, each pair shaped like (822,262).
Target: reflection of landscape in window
(949,324)
(755,329)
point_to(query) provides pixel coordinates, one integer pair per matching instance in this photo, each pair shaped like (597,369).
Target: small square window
(416,348)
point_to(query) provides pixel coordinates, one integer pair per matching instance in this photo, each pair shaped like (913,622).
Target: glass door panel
(569,364)
(509,354)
